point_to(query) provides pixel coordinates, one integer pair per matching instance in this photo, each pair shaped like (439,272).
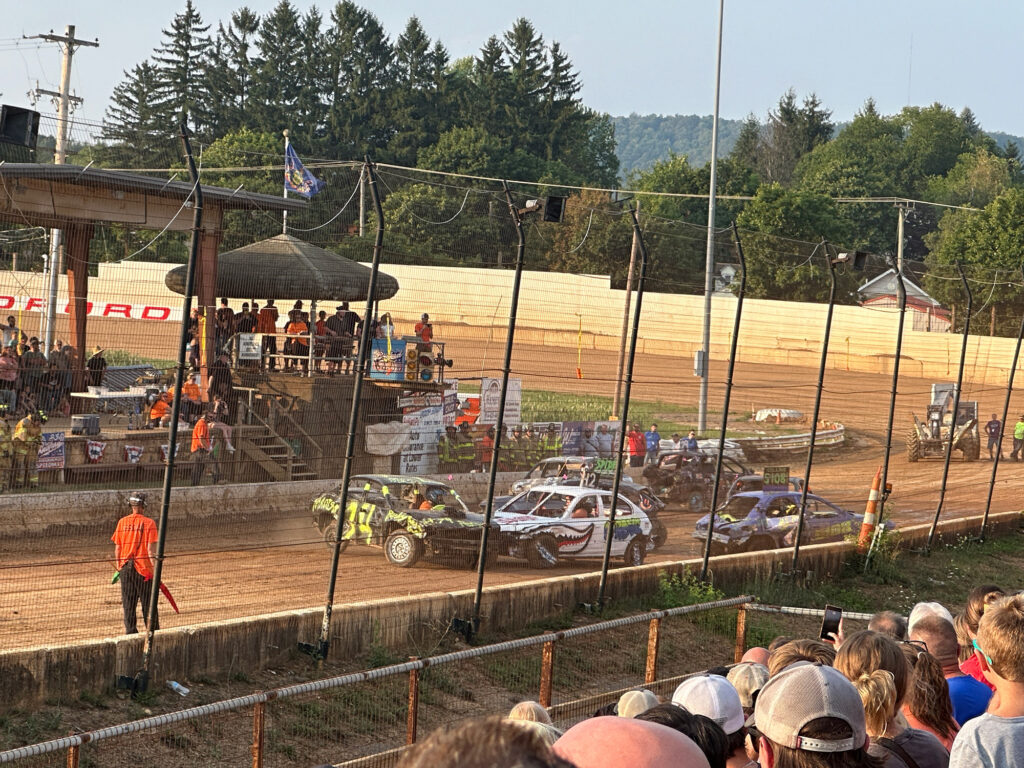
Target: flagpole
(284,214)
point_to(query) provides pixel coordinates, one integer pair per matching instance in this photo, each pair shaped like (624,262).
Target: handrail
(262,697)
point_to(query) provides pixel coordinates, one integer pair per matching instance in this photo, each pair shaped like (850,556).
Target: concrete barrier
(95,512)
(62,673)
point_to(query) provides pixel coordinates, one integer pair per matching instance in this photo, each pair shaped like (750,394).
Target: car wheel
(659,533)
(759,542)
(542,552)
(636,551)
(329,531)
(403,549)
(695,501)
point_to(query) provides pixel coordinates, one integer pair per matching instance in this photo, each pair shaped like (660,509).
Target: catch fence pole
(901,292)
(641,282)
(728,396)
(142,680)
(323,645)
(499,427)
(956,407)
(817,404)
(547,668)
(412,718)
(653,646)
(741,634)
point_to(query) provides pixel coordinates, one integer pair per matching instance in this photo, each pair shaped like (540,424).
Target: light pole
(709,261)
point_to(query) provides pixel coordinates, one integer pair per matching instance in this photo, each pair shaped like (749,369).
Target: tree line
(344,88)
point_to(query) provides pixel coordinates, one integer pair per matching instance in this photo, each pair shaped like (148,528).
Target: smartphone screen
(830,623)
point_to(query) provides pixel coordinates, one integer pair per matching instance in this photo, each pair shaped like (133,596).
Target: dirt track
(58,591)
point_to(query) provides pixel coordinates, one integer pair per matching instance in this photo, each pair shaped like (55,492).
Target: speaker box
(19,126)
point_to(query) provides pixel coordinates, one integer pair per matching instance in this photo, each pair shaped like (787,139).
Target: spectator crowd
(930,691)
(31,381)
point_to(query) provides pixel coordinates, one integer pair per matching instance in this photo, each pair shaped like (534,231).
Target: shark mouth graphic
(574,543)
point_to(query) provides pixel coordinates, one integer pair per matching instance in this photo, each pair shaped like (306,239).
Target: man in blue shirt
(968,696)
(653,443)
(690,443)
(994,430)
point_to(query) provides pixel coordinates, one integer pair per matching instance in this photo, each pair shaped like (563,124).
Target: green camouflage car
(406,516)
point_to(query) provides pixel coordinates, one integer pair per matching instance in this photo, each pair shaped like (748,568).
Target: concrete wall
(60,673)
(472,304)
(48,514)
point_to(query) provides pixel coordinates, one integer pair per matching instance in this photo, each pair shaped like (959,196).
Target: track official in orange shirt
(202,450)
(134,550)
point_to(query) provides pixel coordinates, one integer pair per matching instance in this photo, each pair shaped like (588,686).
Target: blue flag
(296,178)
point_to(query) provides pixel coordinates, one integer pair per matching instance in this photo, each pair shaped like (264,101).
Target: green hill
(642,140)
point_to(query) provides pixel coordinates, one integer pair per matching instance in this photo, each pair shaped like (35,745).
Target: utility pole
(64,100)
(709,266)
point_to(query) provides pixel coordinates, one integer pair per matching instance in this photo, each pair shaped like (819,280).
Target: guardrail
(830,434)
(262,709)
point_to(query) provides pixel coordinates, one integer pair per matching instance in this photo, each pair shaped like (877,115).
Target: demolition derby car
(768,519)
(550,523)
(688,477)
(407,516)
(591,472)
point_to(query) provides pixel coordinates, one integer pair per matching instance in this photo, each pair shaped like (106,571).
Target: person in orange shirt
(202,450)
(160,413)
(424,329)
(192,399)
(266,323)
(134,552)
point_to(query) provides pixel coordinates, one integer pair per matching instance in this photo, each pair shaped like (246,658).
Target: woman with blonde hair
(533,717)
(978,599)
(879,671)
(927,706)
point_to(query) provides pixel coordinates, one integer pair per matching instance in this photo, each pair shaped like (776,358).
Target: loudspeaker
(19,126)
(554,208)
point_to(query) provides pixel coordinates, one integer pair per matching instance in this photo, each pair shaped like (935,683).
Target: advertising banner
(425,427)
(51,451)
(387,361)
(490,395)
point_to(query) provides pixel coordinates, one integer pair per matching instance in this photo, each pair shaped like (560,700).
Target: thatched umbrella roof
(284,267)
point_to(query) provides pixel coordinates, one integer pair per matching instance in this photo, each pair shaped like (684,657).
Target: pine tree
(416,108)
(360,82)
(309,121)
(529,70)
(133,124)
(277,70)
(181,68)
(490,88)
(229,72)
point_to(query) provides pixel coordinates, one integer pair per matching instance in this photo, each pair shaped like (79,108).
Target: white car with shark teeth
(559,522)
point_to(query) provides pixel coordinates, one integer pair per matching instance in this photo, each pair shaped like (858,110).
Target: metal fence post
(73,756)
(412,719)
(653,642)
(259,714)
(741,634)
(956,408)
(547,663)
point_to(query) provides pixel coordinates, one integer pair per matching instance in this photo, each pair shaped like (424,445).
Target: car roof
(568,490)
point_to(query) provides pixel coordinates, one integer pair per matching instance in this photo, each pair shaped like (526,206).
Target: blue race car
(768,520)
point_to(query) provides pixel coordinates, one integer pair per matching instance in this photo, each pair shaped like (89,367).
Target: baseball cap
(714,697)
(921,610)
(808,691)
(603,741)
(748,679)
(633,703)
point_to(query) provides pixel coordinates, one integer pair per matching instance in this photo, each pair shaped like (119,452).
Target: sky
(643,56)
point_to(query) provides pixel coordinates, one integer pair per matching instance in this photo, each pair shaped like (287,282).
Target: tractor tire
(971,448)
(636,551)
(913,446)
(542,552)
(403,549)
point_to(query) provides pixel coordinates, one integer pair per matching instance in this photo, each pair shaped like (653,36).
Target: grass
(539,405)
(120,357)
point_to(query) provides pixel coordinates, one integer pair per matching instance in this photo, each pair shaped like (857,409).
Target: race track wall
(472,304)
